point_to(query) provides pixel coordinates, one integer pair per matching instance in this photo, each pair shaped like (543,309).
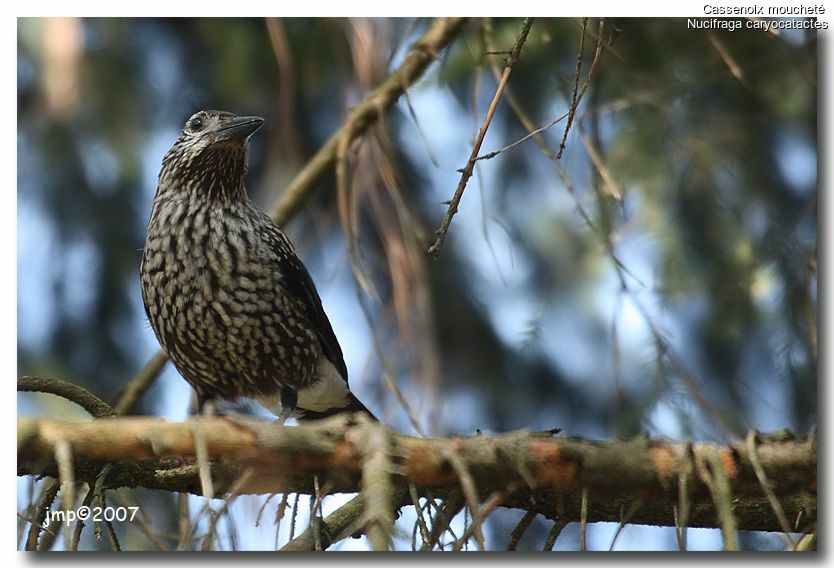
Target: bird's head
(209,158)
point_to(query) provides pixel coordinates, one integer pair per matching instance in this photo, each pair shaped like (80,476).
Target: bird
(227,297)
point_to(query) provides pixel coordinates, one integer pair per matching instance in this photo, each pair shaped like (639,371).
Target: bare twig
(441,520)
(603,171)
(423,140)
(421,521)
(626,517)
(520,529)
(233,494)
(685,472)
(201,454)
(470,492)
(136,387)
(515,105)
(554,533)
(66,474)
(279,514)
(98,497)
(724,54)
(184,523)
(466,172)
(574,102)
(73,393)
(756,462)
(293,518)
(79,525)
(315,513)
(332,527)
(583,522)
(490,504)
(711,471)
(112,538)
(48,493)
(143,522)
(577,96)
(530,134)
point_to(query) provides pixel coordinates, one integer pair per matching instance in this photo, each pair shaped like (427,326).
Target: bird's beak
(239,128)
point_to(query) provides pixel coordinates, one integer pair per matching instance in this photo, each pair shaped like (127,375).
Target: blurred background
(659,277)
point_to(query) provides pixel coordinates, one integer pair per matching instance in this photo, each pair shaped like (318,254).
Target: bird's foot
(289,400)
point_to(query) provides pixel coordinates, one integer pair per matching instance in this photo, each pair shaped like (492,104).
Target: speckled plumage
(226,295)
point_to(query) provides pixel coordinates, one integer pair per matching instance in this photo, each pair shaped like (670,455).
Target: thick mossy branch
(534,472)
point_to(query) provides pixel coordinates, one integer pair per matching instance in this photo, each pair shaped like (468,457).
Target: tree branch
(423,52)
(534,472)
(96,407)
(466,171)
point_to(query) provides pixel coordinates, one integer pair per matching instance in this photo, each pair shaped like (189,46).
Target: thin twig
(48,493)
(333,527)
(201,454)
(583,522)
(138,385)
(98,496)
(142,521)
(531,134)
(441,520)
(184,523)
(262,508)
(574,102)
(554,533)
(514,103)
(96,407)
(753,456)
(466,172)
(724,54)
(111,537)
(470,491)
(79,525)
(233,493)
(421,521)
(279,514)
(683,505)
(577,96)
(520,529)
(66,473)
(711,471)
(294,516)
(625,518)
(603,171)
(315,511)
(423,139)
(490,504)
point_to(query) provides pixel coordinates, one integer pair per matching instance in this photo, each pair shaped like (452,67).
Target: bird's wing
(298,283)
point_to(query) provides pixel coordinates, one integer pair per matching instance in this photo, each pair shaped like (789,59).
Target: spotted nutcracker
(226,295)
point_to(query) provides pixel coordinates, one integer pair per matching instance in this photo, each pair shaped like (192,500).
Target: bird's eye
(196,124)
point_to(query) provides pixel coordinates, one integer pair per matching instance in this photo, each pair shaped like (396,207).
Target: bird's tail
(354,405)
